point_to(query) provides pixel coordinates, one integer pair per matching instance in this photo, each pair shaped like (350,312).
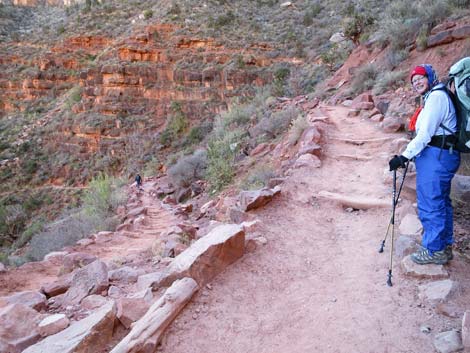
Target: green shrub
(199,132)
(151,167)
(102,196)
(175,9)
(222,20)
(12,220)
(189,169)
(4,257)
(147,14)
(177,123)
(355,25)
(75,96)
(465,4)
(28,233)
(220,164)
(279,80)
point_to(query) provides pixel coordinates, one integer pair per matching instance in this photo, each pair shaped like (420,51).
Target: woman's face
(420,84)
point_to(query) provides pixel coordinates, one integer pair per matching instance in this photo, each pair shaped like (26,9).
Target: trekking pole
(382,244)
(392,223)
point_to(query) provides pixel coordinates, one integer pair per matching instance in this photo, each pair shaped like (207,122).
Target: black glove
(397,162)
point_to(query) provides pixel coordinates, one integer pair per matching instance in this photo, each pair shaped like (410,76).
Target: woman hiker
(436,164)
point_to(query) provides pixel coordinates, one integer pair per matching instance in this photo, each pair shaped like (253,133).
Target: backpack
(459,77)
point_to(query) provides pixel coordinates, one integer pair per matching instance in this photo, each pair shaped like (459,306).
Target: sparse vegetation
(389,80)
(298,126)
(189,169)
(364,79)
(176,124)
(131,139)
(147,14)
(258,177)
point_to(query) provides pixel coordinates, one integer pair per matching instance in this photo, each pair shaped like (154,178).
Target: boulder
(56,257)
(93,302)
(206,258)
(392,124)
(250,200)
(307,160)
(76,260)
(130,309)
(438,291)
(430,271)
(18,327)
(448,342)
(410,225)
(405,246)
(91,279)
(91,334)
(53,324)
(310,148)
(124,274)
(32,299)
(60,286)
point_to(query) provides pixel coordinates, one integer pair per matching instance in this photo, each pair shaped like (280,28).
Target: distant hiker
(436,164)
(138,180)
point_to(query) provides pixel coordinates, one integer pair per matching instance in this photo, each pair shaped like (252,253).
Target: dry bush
(393,58)
(402,20)
(389,80)
(298,126)
(258,177)
(274,124)
(189,169)
(64,232)
(364,79)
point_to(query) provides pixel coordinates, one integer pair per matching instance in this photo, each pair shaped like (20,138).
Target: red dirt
(319,284)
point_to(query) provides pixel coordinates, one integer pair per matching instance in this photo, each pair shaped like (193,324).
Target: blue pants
(435,169)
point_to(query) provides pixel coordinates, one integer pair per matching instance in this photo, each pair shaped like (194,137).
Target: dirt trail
(319,285)
(134,248)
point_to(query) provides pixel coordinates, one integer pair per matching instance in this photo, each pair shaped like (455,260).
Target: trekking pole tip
(382,245)
(389,279)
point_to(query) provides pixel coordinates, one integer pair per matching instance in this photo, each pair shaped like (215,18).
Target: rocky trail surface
(316,283)
(319,285)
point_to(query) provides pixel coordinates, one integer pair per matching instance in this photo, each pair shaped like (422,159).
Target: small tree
(355,25)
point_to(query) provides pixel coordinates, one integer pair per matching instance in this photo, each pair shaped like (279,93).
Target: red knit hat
(418,70)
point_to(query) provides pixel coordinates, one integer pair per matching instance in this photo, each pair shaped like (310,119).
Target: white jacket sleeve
(432,115)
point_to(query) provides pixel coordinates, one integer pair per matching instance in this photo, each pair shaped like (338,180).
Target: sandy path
(319,285)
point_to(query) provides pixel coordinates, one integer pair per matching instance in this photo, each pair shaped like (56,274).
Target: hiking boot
(448,251)
(423,257)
